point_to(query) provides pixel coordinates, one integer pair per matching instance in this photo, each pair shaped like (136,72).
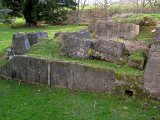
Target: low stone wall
(71,75)
(60,74)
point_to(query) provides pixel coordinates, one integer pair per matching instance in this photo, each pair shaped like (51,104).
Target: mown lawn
(37,102)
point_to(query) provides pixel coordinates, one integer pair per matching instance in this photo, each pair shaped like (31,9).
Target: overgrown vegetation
(145,33)
(138,17)
(138,55)
(24,101)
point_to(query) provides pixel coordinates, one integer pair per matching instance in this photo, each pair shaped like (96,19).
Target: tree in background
(53,11)
(142,4)
(81,4)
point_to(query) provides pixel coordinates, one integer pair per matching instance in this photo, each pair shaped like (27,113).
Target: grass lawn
(37,102)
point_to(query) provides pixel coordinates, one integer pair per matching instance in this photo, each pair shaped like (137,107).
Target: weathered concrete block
(43,34)
(133,46)
(109,50)
(34,37)
(75,45)
(138,64)
(156,37)
(152,72)
(61,74)
(112,30)
(20,43)
(86,34)
(91,28)
(27,69)
(76,76)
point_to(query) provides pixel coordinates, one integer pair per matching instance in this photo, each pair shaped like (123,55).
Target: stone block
(75,45)
(111,30)
(109,50)
(34,37)
(138,64)
(20,43)
(152,72)
(156,37)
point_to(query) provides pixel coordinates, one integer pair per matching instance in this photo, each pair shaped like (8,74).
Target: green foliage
(19,23)
(15,5)
(157,3)
(21,101)
(33,10)
(91,52)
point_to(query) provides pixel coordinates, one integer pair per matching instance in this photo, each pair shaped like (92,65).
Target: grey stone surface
(91,28)
(75,45)
(86,34)
(10,53)
(152,71)
(138,64)
(61,74)
(156,37)
(27,69)
(76,76)
(112,30)
(43,34)
(20,43)
(109,50)
(133,46)
(34,37)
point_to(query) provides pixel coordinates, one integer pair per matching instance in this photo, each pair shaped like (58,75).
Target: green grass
(138,55)
(37,102)
(145,33)
(138,17)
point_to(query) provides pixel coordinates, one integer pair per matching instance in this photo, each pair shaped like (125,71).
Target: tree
(80,9)
(105,5)
(53,11)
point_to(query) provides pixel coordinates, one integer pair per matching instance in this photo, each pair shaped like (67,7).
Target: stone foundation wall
(60,74)
(71,75)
